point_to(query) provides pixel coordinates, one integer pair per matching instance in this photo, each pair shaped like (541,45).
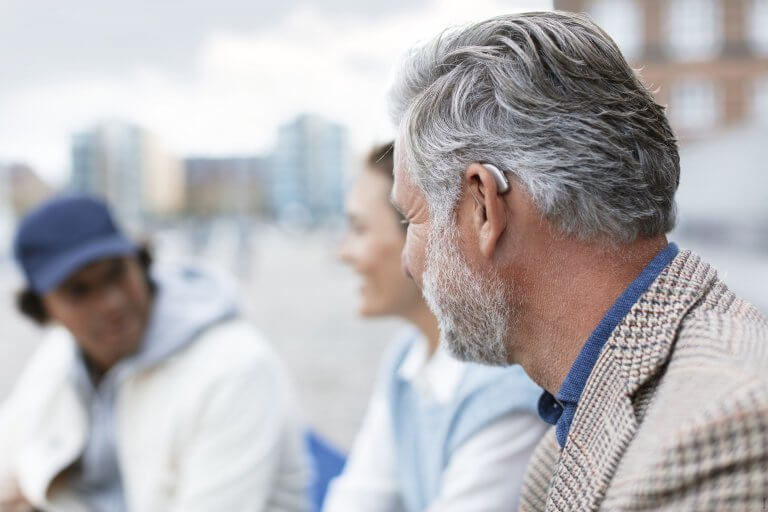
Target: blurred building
(707,59)
(128,166)
(723,207)
(307,170)
(7,216)
(218,187)
(723,194)
(21,188)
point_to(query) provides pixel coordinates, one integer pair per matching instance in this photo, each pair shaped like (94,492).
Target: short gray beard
(472,309)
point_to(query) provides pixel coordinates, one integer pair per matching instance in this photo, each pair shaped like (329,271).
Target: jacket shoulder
(50,363)
(724,330)
(721,351)
(705,450)
(229,347)
(700,442)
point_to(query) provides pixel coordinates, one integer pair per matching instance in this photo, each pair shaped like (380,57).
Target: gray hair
(549,98)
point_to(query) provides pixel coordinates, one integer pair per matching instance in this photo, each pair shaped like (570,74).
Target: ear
(490,211)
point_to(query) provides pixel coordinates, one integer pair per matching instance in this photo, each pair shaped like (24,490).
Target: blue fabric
(64,234)
(561,410)
(327,463)
(427,434)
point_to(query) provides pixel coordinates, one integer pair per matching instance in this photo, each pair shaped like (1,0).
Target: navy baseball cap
(64,234)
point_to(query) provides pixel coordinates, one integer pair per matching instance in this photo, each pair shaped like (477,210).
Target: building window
(623,20)
(693,28)
(757,20)
(760,106)
(694,105)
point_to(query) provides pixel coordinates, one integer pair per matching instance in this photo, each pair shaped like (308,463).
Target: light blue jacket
(426,435)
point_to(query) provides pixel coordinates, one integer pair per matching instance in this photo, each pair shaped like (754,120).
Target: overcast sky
(206,77)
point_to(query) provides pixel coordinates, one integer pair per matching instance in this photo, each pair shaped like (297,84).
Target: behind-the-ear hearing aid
(501,181)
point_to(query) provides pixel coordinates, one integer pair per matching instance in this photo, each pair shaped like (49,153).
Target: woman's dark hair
(30,303)
(381,159)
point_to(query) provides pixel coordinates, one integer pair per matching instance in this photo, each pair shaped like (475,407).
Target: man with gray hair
(538,176)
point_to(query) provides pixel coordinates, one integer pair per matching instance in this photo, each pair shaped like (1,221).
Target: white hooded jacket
(203,417)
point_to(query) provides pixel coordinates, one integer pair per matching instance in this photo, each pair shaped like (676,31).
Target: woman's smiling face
(373,247)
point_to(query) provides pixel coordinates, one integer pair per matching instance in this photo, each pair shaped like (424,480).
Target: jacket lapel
(606,419)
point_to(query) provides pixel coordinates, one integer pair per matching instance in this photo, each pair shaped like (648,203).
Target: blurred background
(228,132)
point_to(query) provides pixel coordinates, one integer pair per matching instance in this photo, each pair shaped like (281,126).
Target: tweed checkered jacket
(674,415)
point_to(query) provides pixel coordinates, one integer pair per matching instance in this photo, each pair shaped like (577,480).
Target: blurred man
(150,394)
(537,175)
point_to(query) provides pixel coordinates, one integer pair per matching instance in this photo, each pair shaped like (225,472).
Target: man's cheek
(420,255)
(416,268)
(406,262)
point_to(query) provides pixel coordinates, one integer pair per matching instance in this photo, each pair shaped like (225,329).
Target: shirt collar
(560,410)
(436,378)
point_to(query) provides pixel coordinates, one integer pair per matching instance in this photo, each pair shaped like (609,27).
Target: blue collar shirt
(560,410)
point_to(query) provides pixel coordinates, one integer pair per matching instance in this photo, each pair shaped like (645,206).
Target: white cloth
(485,474)
(212,428)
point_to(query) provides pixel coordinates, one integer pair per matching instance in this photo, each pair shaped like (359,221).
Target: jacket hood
(189,299)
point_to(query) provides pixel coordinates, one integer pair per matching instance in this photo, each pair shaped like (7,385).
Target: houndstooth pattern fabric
(675,413)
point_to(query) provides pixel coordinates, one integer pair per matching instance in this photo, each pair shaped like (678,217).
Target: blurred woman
(439,434)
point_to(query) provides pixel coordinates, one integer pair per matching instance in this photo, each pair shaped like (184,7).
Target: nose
(112,298)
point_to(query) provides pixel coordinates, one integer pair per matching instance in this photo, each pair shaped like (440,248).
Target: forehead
(93,270)
(369,184)
(402,187)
